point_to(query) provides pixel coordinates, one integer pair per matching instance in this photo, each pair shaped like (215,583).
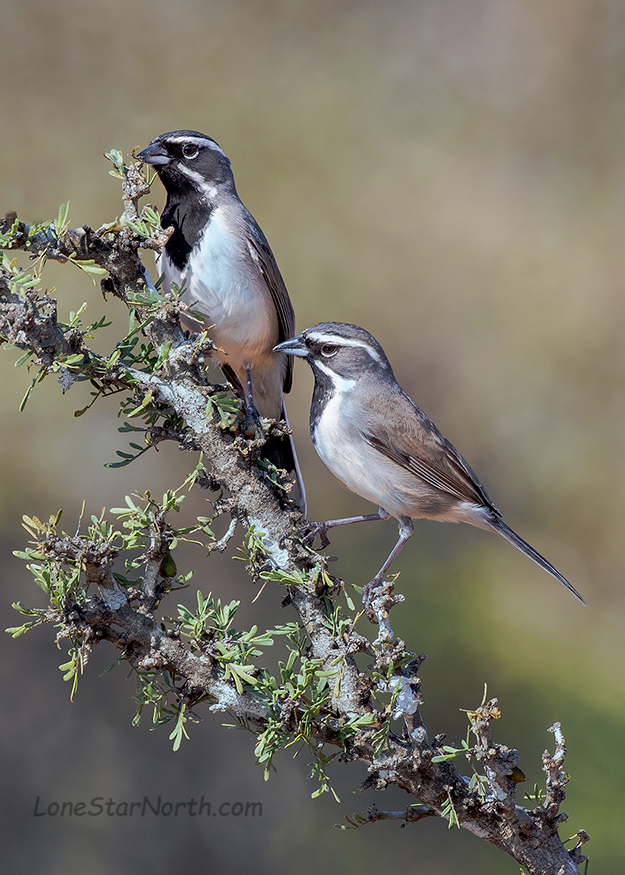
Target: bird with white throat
(383,447)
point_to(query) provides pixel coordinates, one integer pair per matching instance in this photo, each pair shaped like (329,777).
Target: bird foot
(310,530)
(251,415)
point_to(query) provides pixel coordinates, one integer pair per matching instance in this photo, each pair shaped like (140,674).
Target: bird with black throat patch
(220,258)
(383,447)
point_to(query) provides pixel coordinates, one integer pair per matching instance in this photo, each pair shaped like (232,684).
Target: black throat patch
(190,216)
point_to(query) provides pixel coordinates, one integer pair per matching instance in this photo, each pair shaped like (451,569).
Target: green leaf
(126,461)
(179,731)
(74,318)
(16,631)
(163,354)
(41,374)
(23,609)
(89,266)
(117,160)
(61,223)
(147,399)
(279,576)
(29,555)
(23,359)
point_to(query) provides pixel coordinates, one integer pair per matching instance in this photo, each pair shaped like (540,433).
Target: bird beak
(154,154)
(294,346)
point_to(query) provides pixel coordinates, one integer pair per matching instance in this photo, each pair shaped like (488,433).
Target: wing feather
(264,259)
(421,449)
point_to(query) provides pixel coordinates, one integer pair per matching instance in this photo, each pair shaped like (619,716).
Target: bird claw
(251,415)
(311,530)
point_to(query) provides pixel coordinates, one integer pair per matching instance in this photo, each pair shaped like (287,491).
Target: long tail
(500,527)
(279,451)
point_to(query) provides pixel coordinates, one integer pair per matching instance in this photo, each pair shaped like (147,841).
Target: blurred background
(450,174)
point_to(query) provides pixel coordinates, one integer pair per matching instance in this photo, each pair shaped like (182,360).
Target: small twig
(556,778)
(220,545)
(411,814)
(381,606)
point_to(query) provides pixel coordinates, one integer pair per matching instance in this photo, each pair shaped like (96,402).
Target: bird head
(188,160)
(338,350)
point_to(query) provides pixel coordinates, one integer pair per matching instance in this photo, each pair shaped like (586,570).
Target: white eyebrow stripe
(346,341)
(202,184)
(199,141)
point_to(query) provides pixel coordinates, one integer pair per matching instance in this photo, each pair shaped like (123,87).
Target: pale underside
(341,444)
(228,292)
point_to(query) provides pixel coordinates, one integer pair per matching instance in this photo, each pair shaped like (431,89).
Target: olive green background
(450,174)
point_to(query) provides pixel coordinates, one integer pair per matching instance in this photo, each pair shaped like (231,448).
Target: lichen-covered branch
(110,582)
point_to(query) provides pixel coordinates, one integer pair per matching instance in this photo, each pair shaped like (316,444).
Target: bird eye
(190,150)
(329,349)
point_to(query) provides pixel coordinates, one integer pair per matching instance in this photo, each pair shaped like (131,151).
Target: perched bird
(220,258)
(384,448)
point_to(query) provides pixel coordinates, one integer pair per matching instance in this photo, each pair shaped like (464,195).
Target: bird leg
(231,377)
(244,395)
(371,590)
(251,413)
(321,528)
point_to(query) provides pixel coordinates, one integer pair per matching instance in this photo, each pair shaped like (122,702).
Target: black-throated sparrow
(220,257)
(383,447)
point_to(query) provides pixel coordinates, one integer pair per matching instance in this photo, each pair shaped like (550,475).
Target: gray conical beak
(154,154)
(293,346)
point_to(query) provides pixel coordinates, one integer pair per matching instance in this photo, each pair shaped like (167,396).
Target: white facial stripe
(199,141)
(339,383)
(345,341)
(198,180)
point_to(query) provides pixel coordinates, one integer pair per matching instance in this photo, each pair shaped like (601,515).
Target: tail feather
(280,451)
(498,526)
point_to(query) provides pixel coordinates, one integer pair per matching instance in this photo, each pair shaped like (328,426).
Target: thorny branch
(348,715)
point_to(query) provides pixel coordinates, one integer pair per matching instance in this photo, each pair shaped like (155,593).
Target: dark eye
(329,349)
(190,150)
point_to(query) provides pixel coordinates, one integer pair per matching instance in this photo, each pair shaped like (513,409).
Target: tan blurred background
(449,174)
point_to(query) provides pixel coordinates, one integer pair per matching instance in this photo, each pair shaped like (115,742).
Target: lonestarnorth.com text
(157,806)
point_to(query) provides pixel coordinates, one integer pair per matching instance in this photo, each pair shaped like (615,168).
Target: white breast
(222,282)
(342,446)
